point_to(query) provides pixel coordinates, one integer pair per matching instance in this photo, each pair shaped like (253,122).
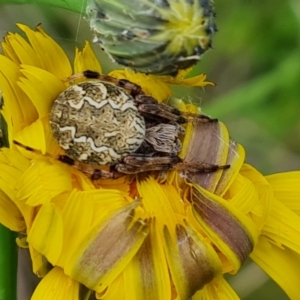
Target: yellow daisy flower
(151,236)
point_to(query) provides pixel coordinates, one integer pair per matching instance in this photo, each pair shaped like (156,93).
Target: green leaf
(72,5)
(8,264)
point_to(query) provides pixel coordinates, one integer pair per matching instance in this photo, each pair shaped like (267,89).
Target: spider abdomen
(97,123)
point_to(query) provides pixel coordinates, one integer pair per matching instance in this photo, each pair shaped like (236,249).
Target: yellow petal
(86,60)
(177,205)
(51,56)
(10,215)
(14,159)
(192,261)
(38,136)
(107,249)
(286,188)
(46,234)
(120,184)
(190,129)
(56,285)
(12,165)
(40,265)
(8,180)
(81,181)
(208,142)
(113,291)
(157,203)
(112,199)
(218,289)
(32,136)
(148,270)
(77,217)
(19,50)
(180,79)
(229,229)
(151,85)
(243,195)
(52,146)
(42,181)
(264,192)
(282,264)
(283,226)
(41,87)
(235,158)
(18,110)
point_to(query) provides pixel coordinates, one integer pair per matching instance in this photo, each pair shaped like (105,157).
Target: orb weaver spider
(111,122)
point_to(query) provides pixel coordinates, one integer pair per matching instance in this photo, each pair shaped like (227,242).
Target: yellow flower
(154,236)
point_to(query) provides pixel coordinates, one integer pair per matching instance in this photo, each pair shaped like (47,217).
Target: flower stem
(72,5)
(8,264)
(8,246)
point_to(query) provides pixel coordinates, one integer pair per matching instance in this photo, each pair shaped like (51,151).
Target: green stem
(8,246)
(72,5)
(8,264)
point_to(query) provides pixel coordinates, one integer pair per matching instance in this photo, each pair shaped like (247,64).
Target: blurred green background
(256,65)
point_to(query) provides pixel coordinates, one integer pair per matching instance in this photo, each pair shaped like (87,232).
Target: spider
(106,121)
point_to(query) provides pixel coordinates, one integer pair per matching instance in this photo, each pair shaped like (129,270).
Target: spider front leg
(133,88)
(151,108)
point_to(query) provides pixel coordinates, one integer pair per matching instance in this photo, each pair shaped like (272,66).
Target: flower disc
(97,123)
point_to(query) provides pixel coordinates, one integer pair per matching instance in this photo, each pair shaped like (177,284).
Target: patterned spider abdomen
(153,36)
(97,123)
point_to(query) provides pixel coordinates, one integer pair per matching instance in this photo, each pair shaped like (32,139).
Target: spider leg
(134,164)
(200,167)
(90,171)
(137,164)
(150,106)
(158,110)
(27,147)
(130,170)
(133,88)
(140,161)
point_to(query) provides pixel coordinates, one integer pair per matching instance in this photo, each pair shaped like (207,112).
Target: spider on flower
(106,121)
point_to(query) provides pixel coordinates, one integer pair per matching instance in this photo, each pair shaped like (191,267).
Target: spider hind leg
(90,171)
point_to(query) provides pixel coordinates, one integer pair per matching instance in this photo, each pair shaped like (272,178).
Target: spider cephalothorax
(111,122)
